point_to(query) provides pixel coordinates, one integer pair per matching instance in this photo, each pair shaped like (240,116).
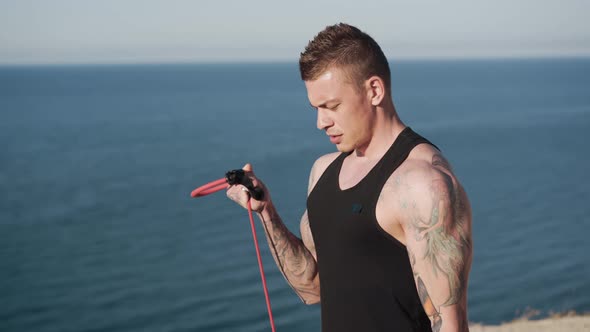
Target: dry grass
(556,322)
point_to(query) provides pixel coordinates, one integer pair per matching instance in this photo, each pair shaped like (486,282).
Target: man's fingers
(244,189)
(238,194)
(248,168)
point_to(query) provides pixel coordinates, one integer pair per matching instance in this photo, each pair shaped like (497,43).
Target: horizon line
(120,62)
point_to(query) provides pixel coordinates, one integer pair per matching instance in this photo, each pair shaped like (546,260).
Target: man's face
(344,111)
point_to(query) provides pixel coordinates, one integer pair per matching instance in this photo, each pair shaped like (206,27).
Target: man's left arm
(438,240)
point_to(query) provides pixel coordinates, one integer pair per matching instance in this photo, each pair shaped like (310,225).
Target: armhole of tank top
(417,141)
(388,236)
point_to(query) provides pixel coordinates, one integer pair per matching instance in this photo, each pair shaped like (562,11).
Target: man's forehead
(328,85)
(327,75)
(332,77)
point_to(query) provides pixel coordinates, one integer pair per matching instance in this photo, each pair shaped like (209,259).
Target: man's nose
(324,120)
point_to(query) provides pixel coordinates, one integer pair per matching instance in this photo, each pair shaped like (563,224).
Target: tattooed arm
(296,258)
(438,240)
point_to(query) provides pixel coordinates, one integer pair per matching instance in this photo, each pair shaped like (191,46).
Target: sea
(98,231)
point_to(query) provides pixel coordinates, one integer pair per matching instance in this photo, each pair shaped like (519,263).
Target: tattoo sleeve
(440,247)
(293,258)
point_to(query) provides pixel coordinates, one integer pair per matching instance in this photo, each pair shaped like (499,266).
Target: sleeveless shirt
(366,280)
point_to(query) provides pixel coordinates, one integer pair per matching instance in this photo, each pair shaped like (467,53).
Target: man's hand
(239,193)
(295,257)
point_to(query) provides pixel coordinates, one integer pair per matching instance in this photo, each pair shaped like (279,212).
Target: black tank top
(366,280)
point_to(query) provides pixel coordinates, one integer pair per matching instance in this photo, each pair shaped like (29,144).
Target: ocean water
(98,232)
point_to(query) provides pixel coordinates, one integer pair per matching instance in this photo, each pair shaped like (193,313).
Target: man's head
(347,78)
(344,47)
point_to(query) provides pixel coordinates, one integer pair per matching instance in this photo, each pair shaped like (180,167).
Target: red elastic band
(261,268)
(222,184)
(210,188)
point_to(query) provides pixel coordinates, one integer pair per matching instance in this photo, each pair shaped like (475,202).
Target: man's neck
(386,129)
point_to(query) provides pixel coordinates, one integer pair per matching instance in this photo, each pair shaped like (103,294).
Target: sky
(144,31)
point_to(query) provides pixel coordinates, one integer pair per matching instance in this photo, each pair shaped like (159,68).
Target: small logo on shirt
(357,208)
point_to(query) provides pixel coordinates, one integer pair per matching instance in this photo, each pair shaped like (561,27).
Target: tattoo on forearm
(294,260)
(428,305)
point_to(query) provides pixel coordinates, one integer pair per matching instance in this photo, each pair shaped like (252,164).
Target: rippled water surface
(98,233)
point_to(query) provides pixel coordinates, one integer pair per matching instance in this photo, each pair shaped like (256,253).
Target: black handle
(238,176)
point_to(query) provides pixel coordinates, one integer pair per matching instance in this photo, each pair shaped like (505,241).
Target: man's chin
(344,148)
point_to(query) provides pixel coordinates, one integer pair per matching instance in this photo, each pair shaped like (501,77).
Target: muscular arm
(295,260)
(295,257)
(438,240)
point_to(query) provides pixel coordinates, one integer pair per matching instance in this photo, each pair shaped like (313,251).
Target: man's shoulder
(426,158)
(322,163)
(402,198)
(424,166)
(421,187)
(319,167)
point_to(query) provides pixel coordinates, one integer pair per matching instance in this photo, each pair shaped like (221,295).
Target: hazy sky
(107,31)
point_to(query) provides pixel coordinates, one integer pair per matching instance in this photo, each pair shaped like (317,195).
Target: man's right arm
(295,257)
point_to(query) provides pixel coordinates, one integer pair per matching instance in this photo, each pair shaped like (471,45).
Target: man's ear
(375,90)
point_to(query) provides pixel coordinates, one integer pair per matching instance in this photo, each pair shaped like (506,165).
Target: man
(386,238)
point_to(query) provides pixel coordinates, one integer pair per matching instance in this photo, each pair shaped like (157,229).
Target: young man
(386,238)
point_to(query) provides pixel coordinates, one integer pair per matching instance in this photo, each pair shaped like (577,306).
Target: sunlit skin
(354,118)
(422,204)
(360,119)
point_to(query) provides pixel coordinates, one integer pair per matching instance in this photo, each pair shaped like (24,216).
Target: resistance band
(238,177)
